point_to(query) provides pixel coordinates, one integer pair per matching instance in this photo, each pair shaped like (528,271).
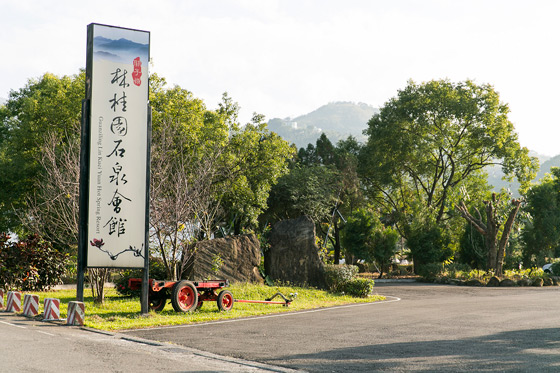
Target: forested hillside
(337,120)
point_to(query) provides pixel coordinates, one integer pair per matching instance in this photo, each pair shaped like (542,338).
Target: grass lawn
(120,312)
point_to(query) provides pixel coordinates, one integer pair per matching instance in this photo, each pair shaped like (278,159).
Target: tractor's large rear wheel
(184,297)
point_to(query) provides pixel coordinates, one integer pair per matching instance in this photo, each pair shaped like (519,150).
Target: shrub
(358,287)
(428,245)
(457,270)
(30,264)
(336,275)
(555,269)
(431,271)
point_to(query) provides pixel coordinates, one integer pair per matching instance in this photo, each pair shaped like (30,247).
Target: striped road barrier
(52,309)
(30,305)
(76,314)
(13,303)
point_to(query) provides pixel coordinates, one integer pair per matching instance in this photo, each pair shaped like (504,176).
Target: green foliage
(366,238)
(359,234)
(384,246)
(30,264)
(428,244)
(255,159)
(47,105)
(555,269)
(336,275)
(358,287)
(472,248)
(341,278)
(217,263)
(426,144)
(430,271)
(541,235)
(305,190)
(456,270)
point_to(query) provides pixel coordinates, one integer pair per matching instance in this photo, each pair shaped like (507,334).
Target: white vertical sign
(118,146)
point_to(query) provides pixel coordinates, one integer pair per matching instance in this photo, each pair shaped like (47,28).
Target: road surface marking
(52,335)
(395,299)
(17,326)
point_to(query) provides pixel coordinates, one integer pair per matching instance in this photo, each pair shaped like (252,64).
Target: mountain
(495,173)
(337,120)
(547,165)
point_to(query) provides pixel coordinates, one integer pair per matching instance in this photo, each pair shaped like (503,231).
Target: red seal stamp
(137,73)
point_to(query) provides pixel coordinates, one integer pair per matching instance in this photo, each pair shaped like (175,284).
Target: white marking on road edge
(17,326)
(52,335)
(395,299)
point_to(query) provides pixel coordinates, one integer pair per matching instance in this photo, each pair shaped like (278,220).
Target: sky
(285,58)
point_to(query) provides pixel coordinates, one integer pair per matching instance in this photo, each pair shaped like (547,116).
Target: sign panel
(117,87)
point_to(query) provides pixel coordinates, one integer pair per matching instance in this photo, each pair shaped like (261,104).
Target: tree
(491,229)
(542,235)
(366,238)
(206,169)
(305,190)
(46,107)
(342,159)
(433,140)
(255,160)
(430,139)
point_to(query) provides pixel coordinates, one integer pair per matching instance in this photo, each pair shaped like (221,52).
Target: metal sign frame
(116,136)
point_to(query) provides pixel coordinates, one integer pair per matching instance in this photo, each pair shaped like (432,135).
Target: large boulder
(237,257)
(293,255)
(494,281)
(506,282)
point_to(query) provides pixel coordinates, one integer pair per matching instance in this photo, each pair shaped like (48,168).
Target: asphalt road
(420,328)
(27,345)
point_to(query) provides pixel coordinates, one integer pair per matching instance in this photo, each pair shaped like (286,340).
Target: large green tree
(47,107)
(430,140)
(542,234)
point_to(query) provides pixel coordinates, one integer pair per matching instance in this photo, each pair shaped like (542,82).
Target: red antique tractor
(187,296)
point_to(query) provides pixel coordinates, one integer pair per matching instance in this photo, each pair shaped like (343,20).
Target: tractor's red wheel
(225,300)
(185,296)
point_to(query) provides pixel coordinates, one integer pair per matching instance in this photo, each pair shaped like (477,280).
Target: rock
(293,255)
(537,282)
(240,257)
(524,282)
(494,281)
(474,282)
(506,282)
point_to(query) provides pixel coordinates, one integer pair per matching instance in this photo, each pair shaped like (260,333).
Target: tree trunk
(336,242)
(492,232)
(496,250)
(505,237)
(98,277)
